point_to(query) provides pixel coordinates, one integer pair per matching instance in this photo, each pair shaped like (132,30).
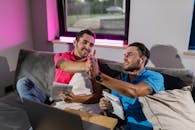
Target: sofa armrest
(38,66)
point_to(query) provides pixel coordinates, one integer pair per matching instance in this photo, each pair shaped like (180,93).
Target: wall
(164,26)
(24,25)
(39,24)
(15,34)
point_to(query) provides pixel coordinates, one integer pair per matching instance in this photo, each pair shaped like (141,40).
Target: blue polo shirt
(132,107)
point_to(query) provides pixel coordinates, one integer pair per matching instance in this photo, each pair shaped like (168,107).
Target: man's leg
(121,125)
(27,89)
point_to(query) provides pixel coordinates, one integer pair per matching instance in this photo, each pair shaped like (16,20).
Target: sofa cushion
(170,109)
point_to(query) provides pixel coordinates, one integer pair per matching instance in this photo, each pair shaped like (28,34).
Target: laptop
(45,117)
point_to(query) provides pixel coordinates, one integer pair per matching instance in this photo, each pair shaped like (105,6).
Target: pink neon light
(67,39)
(52,19)
(105,42)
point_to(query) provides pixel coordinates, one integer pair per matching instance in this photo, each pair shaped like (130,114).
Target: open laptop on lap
(45,117)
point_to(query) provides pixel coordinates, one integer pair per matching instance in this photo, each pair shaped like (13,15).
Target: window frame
(192,33)
(64,32)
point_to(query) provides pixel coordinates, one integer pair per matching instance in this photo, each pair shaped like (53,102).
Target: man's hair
(86,31)
(143,50)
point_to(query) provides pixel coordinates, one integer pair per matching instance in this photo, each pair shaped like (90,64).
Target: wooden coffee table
(101,120)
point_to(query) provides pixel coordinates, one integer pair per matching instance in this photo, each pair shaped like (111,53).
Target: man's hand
(105,104)
(68,97)
(89,62)
(94,68)
(92,64)
(88,65)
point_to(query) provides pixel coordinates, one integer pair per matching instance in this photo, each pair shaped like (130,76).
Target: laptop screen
(45,117)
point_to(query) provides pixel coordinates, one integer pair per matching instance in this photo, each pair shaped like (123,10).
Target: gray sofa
(39,67)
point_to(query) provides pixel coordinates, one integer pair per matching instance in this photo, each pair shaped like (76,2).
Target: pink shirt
(60,75)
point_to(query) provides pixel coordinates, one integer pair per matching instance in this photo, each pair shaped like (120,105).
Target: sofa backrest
(39,67)
(174,78)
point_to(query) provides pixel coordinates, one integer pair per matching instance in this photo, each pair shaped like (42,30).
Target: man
(67,64)
(137,82)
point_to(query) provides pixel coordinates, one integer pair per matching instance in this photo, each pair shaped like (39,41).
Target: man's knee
(23,83)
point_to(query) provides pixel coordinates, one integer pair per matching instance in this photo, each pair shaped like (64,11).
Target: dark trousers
(121,125)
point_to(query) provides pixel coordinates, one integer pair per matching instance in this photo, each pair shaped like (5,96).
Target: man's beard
(86,53)
(81,55)
(134,67)
(131,69)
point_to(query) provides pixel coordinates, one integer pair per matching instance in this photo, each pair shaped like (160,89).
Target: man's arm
(122,87)
(87,99)
(74,66)
(125,88)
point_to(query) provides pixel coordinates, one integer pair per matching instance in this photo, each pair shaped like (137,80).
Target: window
(109,19)
(192,35)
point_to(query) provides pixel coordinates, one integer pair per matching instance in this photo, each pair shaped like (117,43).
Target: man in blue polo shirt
(137,82)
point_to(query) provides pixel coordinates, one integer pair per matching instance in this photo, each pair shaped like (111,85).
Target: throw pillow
(170,109)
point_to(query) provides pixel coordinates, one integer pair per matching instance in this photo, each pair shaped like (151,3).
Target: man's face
(84,46)
(132,60)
